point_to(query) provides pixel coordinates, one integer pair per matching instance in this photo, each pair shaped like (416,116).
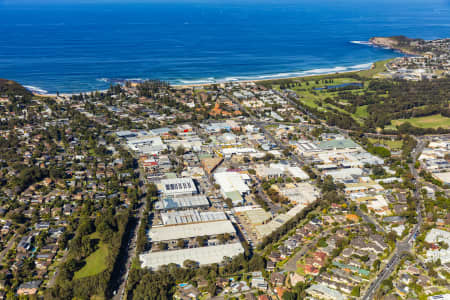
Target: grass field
(315,98)
(312,98)
(361,112)
(379,67)
(393,145)
(96,262)
(433,121)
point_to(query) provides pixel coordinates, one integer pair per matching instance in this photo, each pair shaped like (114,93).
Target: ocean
(65,46)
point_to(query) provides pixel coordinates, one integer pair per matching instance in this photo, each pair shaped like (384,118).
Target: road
(8,247)
(120,284)
(291,265)
(261,126)
(52,281)
(404,246)
(368,219)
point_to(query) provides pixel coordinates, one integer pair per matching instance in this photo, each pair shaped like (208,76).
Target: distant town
(425,60)
(324,187)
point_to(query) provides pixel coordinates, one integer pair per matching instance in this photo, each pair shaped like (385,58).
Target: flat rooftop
(182,202)
(177,186)
(167,233)
(191,216)
(202,255)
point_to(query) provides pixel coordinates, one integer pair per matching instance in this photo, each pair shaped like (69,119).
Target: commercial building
(210,164)
(211,229)
(146,144)
(233,184)
(300,193)
(338,144)
(182,202)
(177,186)
(444,177)
(437,235)
(203,255)
(191,216)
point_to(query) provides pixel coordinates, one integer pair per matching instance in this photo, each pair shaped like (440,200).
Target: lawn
(361,112)
(393,145)
(379,67)
(96,262)
(310,97)
(300,271)
(433,121)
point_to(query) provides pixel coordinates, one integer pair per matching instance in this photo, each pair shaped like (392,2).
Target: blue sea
(69,46)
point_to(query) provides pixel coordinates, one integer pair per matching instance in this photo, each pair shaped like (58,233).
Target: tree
(378,170)
(229,202)
(190,264)
(363,207)
(180,150)
(163,246)
(376,264)
(201,240)
(356,291)
(256,263)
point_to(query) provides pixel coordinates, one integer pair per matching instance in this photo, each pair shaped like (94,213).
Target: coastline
(205,82)
(391,44)
(289,76)
(372,64)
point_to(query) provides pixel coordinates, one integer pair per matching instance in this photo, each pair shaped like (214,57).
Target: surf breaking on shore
(213,80)
(286,75)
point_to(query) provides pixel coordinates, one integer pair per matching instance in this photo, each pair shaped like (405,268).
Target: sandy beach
(199,85)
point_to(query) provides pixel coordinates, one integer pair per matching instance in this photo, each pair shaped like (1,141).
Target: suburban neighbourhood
(289,189)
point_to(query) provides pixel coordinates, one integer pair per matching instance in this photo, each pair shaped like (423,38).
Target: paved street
(405,245)
(291,265)
(131,249)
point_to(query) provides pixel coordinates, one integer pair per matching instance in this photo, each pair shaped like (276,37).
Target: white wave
(197,81)
(35,89)
(326,70)
(361,66)
(312,72)
(232,79)
(361,42)
(121,80)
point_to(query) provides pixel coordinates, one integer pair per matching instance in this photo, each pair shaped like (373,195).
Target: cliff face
(8,87)
(384,42)
(400,43)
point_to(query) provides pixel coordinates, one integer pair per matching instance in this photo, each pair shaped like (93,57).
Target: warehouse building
(182,202)
(233,185)
(177,186)
(186,231)
(191,216)
(203,255)
(146,144)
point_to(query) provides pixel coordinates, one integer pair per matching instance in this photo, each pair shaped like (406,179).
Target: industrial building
(233,185)
(202,255)
(177,186)
(191,216)
(146,144)
(186,231)
(182,202)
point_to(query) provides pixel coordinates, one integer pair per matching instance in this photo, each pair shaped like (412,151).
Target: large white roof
(167,233)
(202,255)
(177,186)
(191,216)
(437,235)
(182,202)
(232,181)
